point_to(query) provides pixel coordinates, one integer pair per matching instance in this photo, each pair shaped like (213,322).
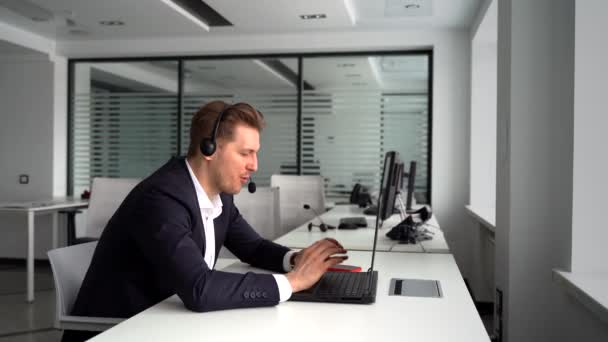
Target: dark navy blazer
(153,247)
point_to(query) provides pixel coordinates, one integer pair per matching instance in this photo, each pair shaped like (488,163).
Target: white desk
(52,206)
(362,239)
(390,318)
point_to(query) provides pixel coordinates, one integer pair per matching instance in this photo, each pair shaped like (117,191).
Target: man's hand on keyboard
(312,262)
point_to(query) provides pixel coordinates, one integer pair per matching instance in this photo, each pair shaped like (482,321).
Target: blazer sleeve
(247,245)
(164,236)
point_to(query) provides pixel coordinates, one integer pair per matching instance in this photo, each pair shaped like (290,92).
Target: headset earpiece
(207,147)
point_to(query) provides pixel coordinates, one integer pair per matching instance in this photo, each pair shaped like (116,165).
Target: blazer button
(264,294)
(246,295)
(258,294)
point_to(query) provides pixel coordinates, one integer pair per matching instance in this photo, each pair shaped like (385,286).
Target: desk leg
(55,227)
(30,256)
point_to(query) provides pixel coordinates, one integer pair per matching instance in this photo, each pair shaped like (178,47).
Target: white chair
(106,196)
(261,210)
(69,265)
(295,191)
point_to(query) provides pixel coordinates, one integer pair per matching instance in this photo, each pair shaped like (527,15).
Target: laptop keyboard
(345,284)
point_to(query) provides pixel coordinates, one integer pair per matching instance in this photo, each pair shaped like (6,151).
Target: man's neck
(199,168)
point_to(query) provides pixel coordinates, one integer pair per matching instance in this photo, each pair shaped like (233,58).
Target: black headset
(208,145)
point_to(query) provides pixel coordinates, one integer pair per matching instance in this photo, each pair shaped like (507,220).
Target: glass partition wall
(267,84)
(123,120)
(355,109)
(333,115)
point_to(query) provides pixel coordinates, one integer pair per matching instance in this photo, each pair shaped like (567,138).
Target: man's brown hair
(204,120)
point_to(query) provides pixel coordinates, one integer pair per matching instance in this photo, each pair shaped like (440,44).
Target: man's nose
(253,163)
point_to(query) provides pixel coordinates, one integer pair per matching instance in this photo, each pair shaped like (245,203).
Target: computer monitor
(389,185)
(411,183)
(401,167)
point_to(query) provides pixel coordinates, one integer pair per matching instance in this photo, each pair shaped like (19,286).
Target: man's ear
(209,158)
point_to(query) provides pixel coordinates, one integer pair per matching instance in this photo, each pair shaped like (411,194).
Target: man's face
(237,159)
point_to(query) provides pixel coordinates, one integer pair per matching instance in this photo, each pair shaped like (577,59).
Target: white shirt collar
(214,204)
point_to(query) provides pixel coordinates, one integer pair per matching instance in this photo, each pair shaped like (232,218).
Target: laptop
(344,287)
(358,287)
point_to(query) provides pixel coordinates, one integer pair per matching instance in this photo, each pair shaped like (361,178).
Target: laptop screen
(386,198)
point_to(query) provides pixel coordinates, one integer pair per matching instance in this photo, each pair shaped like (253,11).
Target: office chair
(295,191)
(106,196)
(261,211)
(69,266)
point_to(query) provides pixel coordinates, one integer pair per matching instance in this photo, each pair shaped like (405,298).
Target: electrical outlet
(24,179)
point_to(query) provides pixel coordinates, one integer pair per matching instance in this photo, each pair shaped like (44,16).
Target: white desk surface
(32,208)
(390,318)
(52,204)
(362,239)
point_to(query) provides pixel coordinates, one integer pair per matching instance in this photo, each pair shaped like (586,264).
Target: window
(334,115)
(123,119)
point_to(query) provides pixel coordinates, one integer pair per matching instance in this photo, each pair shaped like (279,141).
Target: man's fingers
(334,241)
(321,245)
(332,261)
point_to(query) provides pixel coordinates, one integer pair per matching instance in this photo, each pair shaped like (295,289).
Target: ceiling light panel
(283,16)
(313,16)
(408,8)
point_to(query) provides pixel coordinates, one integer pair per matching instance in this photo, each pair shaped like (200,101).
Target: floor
(20,321)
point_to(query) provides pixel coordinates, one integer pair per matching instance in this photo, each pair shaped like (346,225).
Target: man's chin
(233,191)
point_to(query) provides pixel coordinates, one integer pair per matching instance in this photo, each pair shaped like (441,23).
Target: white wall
(534,178)
(483,147)
(26,146)
(589,233)
(483,112)
(451,99)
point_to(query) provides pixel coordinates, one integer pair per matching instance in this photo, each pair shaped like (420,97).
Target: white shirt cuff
(286,261)
(285,290)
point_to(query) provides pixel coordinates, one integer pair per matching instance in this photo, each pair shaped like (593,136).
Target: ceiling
(69,20)
(79,20)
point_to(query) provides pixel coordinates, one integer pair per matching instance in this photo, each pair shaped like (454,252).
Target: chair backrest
(69,266)
(295,191)
(106,196)
(261,210)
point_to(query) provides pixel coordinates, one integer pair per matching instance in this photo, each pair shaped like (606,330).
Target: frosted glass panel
(358,108)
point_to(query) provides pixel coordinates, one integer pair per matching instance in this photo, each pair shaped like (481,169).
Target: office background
(126,118)
(549,117)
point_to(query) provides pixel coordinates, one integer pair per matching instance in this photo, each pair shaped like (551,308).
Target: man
(165,236)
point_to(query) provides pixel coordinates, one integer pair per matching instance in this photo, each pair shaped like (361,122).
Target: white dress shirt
(210,210)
